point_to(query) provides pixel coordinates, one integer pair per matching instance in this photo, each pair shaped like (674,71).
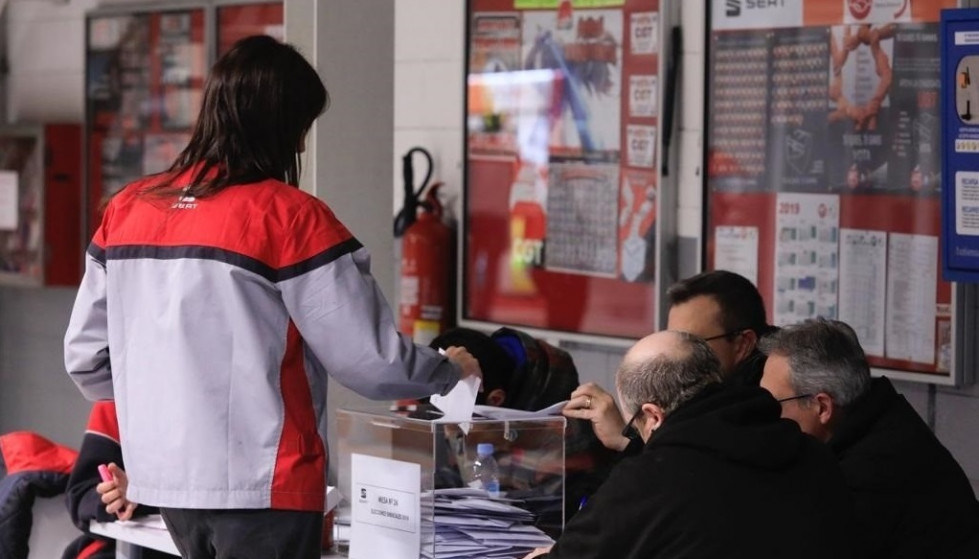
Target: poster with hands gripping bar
(823,139)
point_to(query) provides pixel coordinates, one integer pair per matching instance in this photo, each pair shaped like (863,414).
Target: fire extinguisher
(426,260)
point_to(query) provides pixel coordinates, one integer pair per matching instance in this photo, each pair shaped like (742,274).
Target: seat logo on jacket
(185,203)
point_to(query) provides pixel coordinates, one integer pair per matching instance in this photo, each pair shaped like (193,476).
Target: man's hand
(538,551)
(470,367)
(589,401)
(114,494)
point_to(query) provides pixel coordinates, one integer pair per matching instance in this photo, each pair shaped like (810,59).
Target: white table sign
(386,513)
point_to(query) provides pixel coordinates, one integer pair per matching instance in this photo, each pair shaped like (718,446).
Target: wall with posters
(823,168)
(428,54)
(426,114)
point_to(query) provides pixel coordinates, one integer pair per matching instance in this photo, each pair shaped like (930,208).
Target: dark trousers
(245,534)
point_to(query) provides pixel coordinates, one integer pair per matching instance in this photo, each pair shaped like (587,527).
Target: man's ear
(825,407)
(496,397)
(746,343)
(653,417)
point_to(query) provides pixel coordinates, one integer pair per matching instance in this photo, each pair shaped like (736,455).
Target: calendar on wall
(563,196)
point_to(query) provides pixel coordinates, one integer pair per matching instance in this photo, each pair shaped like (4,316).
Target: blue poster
(960,156)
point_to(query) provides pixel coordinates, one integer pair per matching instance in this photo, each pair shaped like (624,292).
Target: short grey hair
(824,356)
(668,380)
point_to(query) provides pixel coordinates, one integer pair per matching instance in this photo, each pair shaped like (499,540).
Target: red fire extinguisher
(425,308)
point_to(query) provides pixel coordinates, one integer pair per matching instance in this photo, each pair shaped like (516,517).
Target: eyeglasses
(628,432)
(725,334)
(796,397)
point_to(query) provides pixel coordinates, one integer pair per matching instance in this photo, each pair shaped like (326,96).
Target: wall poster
(144,82)
(562,135)
(823,135)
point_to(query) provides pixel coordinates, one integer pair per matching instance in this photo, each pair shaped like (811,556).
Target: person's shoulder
(896,448)
(130,192)
(294,201)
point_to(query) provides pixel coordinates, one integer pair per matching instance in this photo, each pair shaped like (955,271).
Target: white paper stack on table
(469,524)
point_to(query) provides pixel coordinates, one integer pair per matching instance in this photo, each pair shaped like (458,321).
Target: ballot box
(411,490)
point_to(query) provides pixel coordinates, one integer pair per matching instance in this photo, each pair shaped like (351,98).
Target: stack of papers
(470,524)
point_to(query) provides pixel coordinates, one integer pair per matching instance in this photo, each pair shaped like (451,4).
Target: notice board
(823,168)
(562,218)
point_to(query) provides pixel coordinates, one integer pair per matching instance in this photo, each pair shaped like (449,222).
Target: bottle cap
(484,449)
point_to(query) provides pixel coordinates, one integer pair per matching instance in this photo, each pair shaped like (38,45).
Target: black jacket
(911,498)
(30,467)
(749,371)
(723,477)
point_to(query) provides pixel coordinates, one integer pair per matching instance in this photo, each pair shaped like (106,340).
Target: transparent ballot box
(411,489)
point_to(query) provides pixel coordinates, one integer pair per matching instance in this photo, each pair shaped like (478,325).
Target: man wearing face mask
(721,474)
(725,310)
(911,499)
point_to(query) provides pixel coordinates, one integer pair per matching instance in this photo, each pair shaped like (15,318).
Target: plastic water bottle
(486,472)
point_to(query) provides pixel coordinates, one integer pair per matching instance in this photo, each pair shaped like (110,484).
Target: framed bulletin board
(145,68)
(565,207)
(823,160)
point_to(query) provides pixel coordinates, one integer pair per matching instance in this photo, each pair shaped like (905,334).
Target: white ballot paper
(457,406)
(495,412)
(385,510)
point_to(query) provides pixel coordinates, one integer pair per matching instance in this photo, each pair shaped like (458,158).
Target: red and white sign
(644,34)
(876,11)
(643,96)
(642,146)
(756,14)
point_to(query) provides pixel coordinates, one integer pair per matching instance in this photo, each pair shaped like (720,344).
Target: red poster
(562,159)
(823,168)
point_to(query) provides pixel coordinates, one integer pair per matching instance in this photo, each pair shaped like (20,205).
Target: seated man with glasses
(910,497)
(723,308)
(721,474)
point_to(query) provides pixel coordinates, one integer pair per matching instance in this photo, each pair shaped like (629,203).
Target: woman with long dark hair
(217,298)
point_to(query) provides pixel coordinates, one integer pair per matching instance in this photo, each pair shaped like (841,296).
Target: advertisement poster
(144,85)
(833,106)
(960,159)
(562,165)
